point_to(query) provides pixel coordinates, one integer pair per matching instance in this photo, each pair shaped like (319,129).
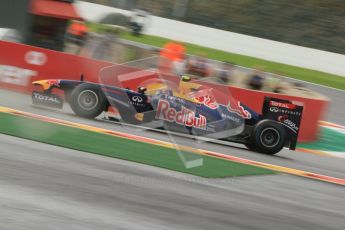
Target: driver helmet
(186,78)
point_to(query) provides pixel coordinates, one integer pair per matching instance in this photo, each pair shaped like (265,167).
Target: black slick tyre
(87,100)
(268,137)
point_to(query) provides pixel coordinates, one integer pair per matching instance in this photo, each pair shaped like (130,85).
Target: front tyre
(88,100)
(268,137)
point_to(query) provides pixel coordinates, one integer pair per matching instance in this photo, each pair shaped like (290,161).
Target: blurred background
(312,23)
(119,36)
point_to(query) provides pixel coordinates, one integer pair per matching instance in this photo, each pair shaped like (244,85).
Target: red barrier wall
(22,64)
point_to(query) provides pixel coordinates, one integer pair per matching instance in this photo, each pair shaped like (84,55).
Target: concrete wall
(230,42)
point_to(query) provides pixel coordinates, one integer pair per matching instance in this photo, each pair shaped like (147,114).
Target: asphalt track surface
(48,187)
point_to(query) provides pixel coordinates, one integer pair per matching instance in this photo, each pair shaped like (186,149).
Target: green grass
(98,143)
(309,75)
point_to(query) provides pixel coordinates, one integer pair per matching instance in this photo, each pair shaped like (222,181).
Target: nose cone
(46,84)
(43,83)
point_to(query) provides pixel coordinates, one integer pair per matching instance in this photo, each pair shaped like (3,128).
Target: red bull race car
(190,108)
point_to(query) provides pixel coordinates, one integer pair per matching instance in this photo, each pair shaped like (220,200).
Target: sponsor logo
(184,117)
(235,119)
(139,116)
(35,58)
(274,109)
(290,124)
(285,111)
(282,105)
(53,82)
(137,99)
(283,118)
(207,101)
(15,75)
(236,107)
(47,98)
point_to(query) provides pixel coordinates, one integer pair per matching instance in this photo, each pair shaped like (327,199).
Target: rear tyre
(87,100)
(268,137)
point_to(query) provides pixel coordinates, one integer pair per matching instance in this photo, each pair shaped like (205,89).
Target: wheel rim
(270,137)
(88,100)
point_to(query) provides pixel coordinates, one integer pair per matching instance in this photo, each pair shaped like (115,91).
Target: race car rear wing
(286,113)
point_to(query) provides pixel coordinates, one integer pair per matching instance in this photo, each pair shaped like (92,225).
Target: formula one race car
(189,108)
